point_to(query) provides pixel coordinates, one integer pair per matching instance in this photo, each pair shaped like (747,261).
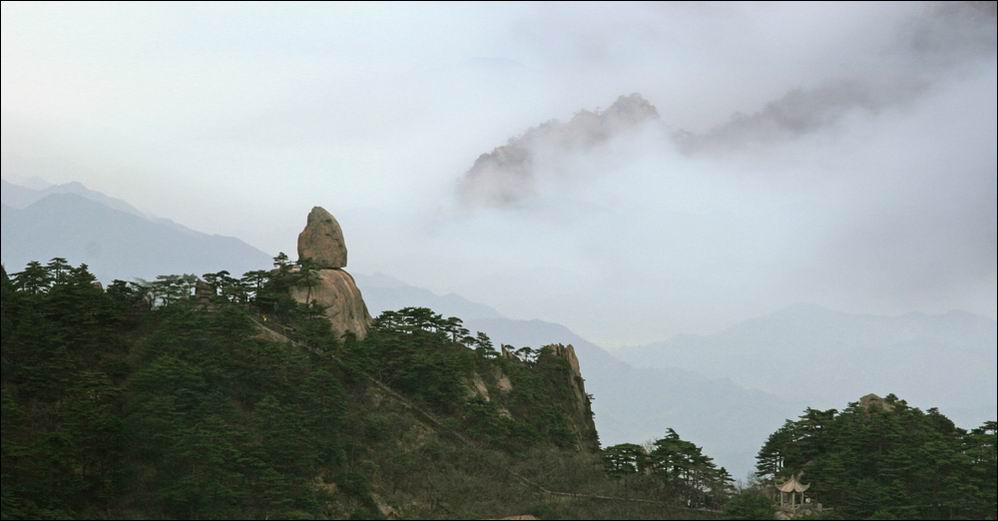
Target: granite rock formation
(322,241)
(332,288)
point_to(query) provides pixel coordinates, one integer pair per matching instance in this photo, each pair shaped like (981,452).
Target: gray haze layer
(836,154)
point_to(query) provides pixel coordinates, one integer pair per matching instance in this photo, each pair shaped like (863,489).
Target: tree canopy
(679,467)
(167,398)
(884,458)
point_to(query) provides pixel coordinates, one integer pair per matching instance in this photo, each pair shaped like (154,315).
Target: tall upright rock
(322,241)
(334,289)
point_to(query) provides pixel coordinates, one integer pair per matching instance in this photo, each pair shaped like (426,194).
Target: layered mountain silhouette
(384,293)
(112,237)
(19,196)
(824,356)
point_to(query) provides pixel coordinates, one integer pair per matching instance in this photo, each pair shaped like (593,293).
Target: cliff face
(555,388)
(322,244)
(582,412)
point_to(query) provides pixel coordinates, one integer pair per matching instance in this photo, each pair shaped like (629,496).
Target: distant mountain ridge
(946,360)
(114,238)
(384,293)
(20,197)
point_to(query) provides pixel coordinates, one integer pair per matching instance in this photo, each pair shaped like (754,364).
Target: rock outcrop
(333,288)
(583,413)
(568,353)
(873,401)
(322,241)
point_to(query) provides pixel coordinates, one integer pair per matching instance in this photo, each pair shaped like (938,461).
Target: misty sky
(859,173)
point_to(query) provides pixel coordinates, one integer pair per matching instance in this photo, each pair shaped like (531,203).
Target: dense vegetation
(881,458)
(183,398)
(675,467)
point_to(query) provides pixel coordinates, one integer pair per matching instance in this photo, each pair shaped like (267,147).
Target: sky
(836,154)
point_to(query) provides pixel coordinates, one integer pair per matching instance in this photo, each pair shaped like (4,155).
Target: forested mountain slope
(881,458)
(238,402)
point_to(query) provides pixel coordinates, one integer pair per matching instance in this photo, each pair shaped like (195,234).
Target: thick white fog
(838,154)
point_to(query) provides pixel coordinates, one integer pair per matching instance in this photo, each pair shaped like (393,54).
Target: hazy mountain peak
(632,108)
(384,293)
(87,227)
(21,196)
(507,175)
(828,356)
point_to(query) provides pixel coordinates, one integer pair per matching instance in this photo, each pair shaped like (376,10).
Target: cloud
(861,175)
(506,176)
(872,191)
(929,47)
